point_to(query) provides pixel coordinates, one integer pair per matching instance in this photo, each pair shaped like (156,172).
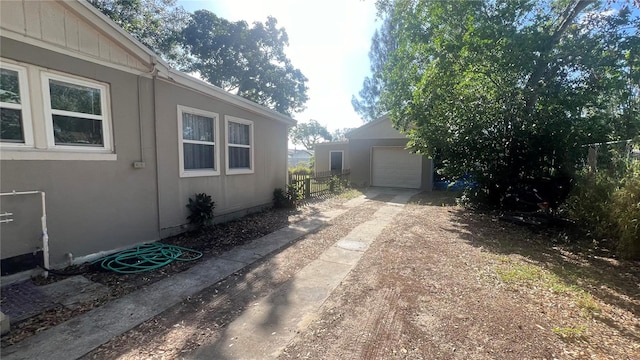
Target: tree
(383,44)
(340,134)
(309,134)
(249,61)
(508,91)
(155,23)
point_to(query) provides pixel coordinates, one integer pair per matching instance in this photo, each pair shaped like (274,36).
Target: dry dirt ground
(212,242)
(441,282)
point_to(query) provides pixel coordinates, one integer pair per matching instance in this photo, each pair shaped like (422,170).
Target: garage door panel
(395,167)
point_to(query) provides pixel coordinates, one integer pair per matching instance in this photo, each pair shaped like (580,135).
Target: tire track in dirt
(385,329)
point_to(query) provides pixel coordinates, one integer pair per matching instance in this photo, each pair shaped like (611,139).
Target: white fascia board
(211,90)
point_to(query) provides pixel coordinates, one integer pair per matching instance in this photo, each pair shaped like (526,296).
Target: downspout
(155,131)
(140,120)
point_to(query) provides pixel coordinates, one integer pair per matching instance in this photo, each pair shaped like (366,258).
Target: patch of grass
(350,194)
(571,333)
(513,273)
(588,305)
(517,274)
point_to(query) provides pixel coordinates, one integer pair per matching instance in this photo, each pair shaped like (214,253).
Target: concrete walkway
(258,333)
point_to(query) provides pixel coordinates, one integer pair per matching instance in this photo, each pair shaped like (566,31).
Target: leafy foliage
(201,210)
(249,61)
(246,60)
(340,134)
(301,169)
(383,44)
(608,205)
(309,134)
(508,91)
(155,23)
(286,199)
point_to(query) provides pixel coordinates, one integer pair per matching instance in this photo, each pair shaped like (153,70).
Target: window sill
(49,154)
(239,171)
(197,173)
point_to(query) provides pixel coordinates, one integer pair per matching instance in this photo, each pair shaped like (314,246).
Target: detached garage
(377,156)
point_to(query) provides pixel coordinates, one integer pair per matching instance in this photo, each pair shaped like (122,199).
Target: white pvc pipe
(43,221)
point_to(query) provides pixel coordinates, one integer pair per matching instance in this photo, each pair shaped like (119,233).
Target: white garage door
(395,167)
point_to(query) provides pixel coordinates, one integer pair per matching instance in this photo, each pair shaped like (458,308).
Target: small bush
(288,199)
(609,207)
(625,213)
(590,203)
(301,169)
(201,210)
(336,185)
(294,195)
(280,199)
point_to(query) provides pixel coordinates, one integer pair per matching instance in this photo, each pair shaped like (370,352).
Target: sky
(329,42)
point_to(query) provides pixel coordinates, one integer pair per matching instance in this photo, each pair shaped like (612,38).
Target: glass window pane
(239,158)
(11,125)
(196,127)
(9,86)
(77,131)
(76,98)
(239,134)
(198,156)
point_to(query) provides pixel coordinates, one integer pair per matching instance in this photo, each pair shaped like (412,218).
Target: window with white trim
(15,114)
(77,112)
(198,140)
(239,144)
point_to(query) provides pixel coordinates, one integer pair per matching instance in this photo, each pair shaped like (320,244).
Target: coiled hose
(146,257)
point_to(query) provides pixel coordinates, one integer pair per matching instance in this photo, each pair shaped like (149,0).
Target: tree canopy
(246,60)
(509,90)
(309,134)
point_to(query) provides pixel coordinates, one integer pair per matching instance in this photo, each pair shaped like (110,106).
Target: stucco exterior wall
(91,205)
(377,129)
(231,193)
(322,154)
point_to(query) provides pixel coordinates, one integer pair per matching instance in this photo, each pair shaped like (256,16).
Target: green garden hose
(146,257)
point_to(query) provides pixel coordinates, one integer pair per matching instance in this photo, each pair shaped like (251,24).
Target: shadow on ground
(203,320)
(613,281)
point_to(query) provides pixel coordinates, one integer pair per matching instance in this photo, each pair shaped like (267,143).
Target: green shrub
(288,199)
(280,199)
(625,211)
(301,169)
(336,184)
(590,202)
(294,195)
(609,207)
(201,210)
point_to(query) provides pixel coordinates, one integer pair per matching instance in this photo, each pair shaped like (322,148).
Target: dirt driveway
(440,282)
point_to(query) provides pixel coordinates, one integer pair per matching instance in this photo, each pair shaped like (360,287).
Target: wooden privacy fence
(319,184)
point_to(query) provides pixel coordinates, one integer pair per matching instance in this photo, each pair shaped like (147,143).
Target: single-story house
(116,139)
(297,156)
(376,154)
